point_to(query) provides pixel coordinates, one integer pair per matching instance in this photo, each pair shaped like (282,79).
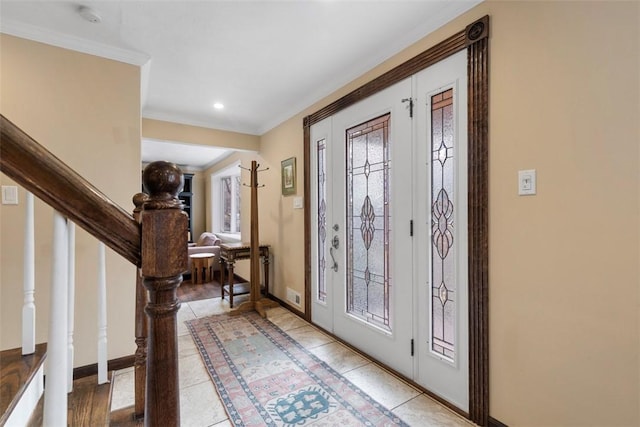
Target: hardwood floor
(124,418)
(88,405)
(189,291)
(192,292)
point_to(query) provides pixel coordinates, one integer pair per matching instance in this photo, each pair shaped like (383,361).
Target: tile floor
(199,402)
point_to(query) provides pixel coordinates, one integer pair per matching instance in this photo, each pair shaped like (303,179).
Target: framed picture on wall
(288,172)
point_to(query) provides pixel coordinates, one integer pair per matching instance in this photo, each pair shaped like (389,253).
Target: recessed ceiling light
(218,106)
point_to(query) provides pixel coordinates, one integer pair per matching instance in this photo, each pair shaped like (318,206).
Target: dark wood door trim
(478,211)
(475,39)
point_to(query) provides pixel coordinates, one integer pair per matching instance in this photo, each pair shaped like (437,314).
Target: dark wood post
(254,271)
(140,367)
(164,259)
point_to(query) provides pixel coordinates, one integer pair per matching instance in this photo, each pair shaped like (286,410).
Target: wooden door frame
(475,39)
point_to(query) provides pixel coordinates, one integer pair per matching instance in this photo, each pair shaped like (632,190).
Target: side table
(229,254)
(202,267)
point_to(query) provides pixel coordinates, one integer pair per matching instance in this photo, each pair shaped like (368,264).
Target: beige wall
(282,226)
(168,131)
(564,280)
(86,110)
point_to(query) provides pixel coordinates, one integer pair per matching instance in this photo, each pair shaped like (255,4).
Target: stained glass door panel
(442,195)
(368,221)
(321,150)
(322,232)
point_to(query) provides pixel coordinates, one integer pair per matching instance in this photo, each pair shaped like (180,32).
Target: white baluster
(102,316)
(71,302)
(29,306)
(55,393)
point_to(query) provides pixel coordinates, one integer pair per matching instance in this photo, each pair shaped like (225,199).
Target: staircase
(22,400)
(154,239)
(89,404)
(21,384)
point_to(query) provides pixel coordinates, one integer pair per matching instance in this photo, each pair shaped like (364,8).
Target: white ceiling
(264,60)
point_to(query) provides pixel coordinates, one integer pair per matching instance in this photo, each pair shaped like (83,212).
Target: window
(226,188)
(369,221)
(230,204)
(442,262)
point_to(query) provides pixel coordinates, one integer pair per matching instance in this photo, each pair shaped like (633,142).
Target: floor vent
(293,297)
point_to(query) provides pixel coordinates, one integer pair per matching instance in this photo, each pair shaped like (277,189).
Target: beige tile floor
(199,402)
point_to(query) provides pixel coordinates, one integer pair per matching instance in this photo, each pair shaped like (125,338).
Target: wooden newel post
(164,259)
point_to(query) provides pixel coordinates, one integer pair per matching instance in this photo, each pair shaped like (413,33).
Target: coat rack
(255,302)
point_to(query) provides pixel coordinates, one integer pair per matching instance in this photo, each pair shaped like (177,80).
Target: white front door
(363,288)
(377,175)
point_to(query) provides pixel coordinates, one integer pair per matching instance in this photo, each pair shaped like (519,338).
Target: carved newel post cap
(163,180)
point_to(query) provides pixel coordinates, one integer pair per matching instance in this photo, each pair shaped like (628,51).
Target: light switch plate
(298,202)
(9,195)
(527,182)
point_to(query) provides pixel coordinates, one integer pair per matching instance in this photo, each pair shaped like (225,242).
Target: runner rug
(265,377)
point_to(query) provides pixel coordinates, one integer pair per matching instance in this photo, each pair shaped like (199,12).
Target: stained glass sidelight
(368,221)
(443,287)
(322,219)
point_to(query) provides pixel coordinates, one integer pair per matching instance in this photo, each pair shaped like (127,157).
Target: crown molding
(54,38)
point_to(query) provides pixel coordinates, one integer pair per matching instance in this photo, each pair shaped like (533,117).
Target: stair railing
(55,391)
(156,243)
(63,273)
(29,280)
(71,300)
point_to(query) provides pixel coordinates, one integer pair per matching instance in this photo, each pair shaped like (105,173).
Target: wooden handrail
(42,173)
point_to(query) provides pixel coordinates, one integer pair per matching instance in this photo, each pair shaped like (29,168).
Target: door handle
(334,267)
(335,243)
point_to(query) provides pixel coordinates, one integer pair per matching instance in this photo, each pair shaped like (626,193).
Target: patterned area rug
(264,377)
